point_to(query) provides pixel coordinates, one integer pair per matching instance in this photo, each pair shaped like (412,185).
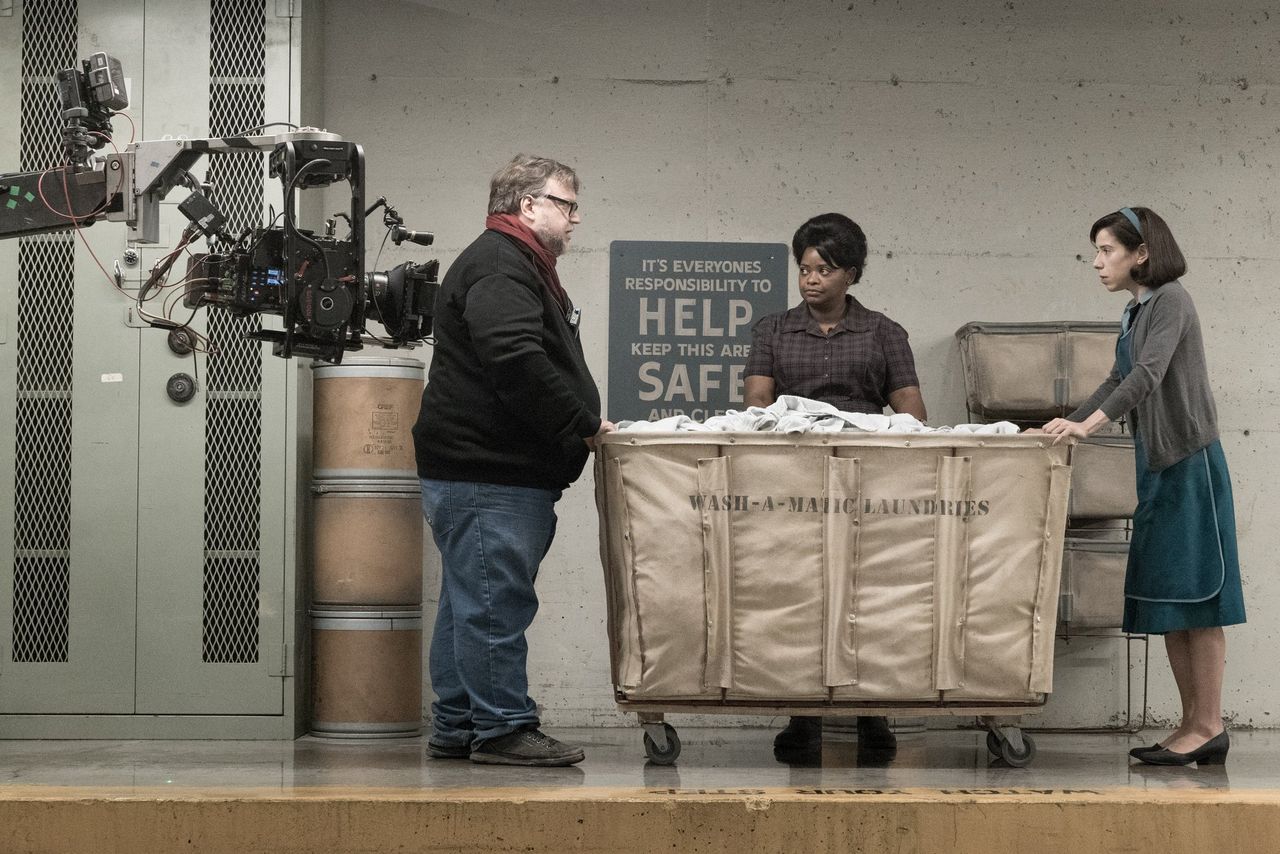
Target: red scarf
(512,226)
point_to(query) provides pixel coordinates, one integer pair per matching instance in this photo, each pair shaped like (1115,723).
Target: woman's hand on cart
(1061,428)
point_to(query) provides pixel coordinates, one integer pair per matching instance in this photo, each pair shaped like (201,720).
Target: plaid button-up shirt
(855,368)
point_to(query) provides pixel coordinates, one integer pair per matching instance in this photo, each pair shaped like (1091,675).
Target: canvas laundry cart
(1028,373)
(1031,372)
(820,573)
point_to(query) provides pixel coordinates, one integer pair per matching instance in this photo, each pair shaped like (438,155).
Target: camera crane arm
(315,282)
(56,200)
(125,187)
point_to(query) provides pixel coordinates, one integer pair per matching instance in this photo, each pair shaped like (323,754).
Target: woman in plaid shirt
(832,348)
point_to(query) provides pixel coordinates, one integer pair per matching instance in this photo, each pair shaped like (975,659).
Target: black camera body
(252,279)
(327,161)
(314,281)
(88,97)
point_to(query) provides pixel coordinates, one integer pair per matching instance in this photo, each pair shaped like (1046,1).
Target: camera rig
(315,282)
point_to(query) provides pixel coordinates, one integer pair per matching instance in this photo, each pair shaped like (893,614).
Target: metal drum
(366,673)
(364,411)
(367,543)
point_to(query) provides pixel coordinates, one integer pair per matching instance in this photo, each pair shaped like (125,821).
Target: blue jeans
(491,539)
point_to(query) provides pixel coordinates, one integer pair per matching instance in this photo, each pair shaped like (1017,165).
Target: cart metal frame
(1005,736)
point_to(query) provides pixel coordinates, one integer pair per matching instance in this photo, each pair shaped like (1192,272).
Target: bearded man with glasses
(509,416)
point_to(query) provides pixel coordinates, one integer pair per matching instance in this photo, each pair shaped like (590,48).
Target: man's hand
(606,426)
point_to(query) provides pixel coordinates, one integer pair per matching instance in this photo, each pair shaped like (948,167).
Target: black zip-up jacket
(509,397)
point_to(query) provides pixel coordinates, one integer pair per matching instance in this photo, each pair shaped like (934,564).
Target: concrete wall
(974,140)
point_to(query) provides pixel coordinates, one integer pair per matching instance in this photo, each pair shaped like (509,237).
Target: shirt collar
(1131,311)
(1134,303)
(856,319)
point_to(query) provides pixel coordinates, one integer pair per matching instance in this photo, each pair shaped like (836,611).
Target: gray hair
(524,176)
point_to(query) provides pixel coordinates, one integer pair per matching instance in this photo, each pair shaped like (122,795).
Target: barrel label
(386,417)
(385,437)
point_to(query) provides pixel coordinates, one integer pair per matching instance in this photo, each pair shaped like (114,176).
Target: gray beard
(553,243)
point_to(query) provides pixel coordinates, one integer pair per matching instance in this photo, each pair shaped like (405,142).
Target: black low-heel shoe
(1136,752)
(801,733)
(874,734)
(1212,752)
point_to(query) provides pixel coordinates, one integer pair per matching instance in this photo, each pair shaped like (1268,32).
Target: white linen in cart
(793,414)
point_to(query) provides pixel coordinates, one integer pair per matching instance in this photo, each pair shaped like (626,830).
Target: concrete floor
(712,759)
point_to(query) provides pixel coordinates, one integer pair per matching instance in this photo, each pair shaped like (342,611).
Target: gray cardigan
(1166,395)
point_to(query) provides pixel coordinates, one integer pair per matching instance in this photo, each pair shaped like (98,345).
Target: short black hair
(838,239)
(1165,261)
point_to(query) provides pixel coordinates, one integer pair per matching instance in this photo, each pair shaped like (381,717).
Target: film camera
(315,287)
(315,282)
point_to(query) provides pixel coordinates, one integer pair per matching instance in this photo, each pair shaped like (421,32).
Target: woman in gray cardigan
(1183,578)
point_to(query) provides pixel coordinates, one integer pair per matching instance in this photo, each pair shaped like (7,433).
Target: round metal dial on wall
(181,341)
(180,388)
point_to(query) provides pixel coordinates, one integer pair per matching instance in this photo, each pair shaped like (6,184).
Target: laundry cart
(1028,373)
(827,573)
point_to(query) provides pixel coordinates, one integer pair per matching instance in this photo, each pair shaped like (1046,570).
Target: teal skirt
(1183,570)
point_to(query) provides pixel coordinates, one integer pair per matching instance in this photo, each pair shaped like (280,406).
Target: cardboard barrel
(367,543)
(364,411)
(366,673)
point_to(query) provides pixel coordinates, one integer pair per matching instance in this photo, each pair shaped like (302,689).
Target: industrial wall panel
(67,630)
(211,600)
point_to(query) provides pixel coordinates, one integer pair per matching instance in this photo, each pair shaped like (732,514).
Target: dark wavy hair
(838,239)
(1165,261)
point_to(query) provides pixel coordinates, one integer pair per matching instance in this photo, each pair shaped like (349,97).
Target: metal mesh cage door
(66,606)
(147,539)
(42,441)
(211,583)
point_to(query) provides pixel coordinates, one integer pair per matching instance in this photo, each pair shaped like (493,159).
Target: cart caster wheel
(1011,755)
(663,757)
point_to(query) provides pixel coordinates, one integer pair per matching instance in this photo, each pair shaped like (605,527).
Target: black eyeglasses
(570,207)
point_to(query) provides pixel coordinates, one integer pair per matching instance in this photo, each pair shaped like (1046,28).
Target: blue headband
(1133,218)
